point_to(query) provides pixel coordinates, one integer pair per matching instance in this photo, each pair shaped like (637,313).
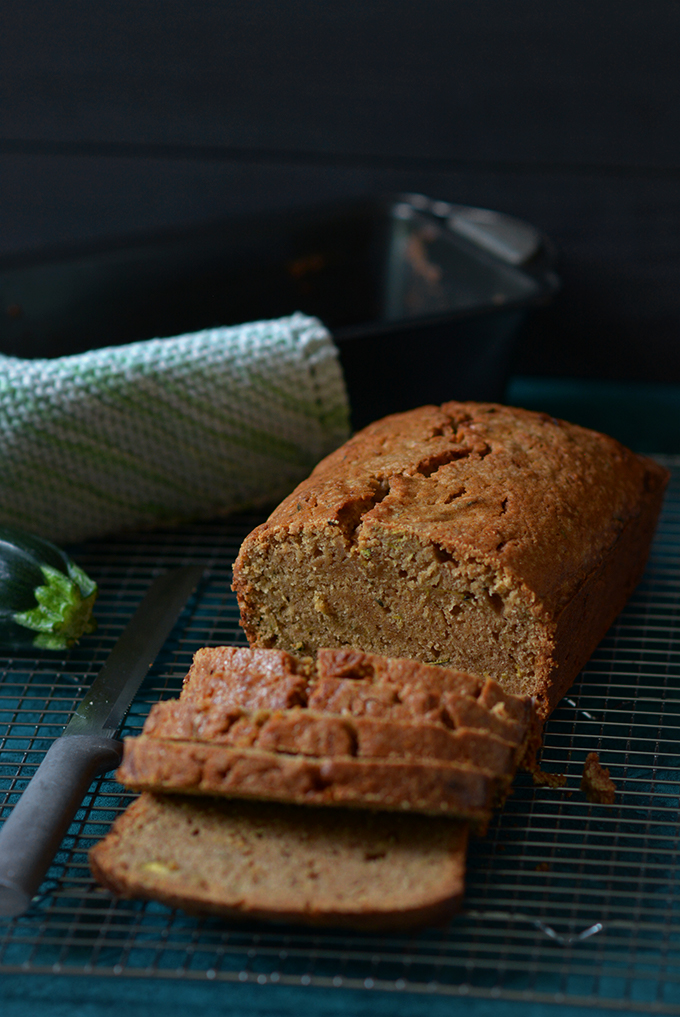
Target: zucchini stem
(64,611)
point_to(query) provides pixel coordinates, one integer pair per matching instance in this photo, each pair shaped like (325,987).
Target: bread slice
(276,679)
(492,539)
(433,788)
(363,731)
(224,679)
(306,733)
(285,864)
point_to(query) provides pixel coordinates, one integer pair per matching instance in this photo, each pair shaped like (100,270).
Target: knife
(31,835)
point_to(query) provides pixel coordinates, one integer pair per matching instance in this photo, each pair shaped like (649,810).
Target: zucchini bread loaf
(495,540)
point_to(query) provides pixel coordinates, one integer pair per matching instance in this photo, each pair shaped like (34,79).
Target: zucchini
(46,601)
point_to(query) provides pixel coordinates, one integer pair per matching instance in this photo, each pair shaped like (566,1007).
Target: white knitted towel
(181,428)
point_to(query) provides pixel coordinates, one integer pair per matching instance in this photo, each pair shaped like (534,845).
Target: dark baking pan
(424,298)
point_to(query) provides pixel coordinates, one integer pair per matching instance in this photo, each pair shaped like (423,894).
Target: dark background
(116,118)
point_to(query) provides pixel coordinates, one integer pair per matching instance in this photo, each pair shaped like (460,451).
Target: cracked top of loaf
(535,498)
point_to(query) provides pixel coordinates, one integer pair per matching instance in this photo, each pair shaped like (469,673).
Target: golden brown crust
(515,475)
(275,679)
(495,538)
(202,768)
(584,621)
(406,673)
(306,733)
(282,864)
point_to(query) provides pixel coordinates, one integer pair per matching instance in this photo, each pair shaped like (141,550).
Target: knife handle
(31,835)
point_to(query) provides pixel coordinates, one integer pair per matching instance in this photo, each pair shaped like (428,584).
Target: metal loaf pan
(424,298)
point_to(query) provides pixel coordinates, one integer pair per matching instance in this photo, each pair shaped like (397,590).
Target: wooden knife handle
(31,835)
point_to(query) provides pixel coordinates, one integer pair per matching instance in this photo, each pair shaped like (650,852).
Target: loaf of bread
(348,728)
(494,540)
(281,863)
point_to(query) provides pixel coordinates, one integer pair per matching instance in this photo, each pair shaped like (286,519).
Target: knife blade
(31,835)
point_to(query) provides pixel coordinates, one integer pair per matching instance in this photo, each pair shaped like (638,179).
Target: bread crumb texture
(495,540)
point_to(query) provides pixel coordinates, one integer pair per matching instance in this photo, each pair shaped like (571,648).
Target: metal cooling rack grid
(566,901)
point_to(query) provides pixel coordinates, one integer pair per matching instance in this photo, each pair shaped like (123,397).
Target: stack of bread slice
(238,773)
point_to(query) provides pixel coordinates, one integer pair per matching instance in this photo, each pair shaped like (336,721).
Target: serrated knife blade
(31,835)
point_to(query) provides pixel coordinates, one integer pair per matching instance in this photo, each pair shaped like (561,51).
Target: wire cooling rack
(566,901)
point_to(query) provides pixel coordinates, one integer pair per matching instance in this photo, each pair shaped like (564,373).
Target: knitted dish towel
(170,429)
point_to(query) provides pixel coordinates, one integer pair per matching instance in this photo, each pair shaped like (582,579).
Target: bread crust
(306,733)
(429,787)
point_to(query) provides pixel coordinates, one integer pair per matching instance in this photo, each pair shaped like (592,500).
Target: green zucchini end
(64,611)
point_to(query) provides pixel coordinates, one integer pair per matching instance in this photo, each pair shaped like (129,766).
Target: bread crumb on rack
(596,782)
(543,779)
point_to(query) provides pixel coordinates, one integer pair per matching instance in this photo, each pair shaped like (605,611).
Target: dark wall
(118,117)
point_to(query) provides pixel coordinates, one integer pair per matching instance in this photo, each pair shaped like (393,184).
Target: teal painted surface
(52,996)
(644,417)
